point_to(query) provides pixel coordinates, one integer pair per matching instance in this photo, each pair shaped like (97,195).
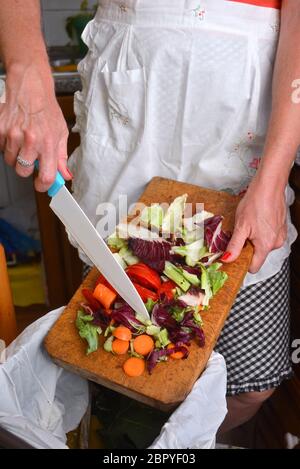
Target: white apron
(179,89)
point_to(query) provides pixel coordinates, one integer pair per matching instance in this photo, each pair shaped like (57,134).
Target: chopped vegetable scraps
(172,262)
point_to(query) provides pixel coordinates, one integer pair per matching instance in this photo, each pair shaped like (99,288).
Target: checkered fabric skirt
(256,338)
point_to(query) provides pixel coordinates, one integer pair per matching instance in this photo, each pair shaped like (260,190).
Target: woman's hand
(261,218)
(32,124)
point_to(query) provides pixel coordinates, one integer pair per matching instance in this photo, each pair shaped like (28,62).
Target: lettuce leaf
(175,273)
(193,252)
(115,242)
(173,219)
(191,277)
(212,280)
(108,344)
(217,277)
(197,219)
(128,256)
(205,285)
(120,260)
(88,331)
(152,216)
(190,236)
(162,338)
(150,305)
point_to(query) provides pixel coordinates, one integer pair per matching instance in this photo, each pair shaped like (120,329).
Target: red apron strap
(261,3)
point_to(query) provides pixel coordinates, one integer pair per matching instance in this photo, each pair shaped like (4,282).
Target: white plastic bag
(39,401)
(196,421)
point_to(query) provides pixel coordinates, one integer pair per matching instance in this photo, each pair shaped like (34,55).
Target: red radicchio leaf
(193,297)
(189,322)
(188,317)
(101,318)
(175,303)
(152,252)
(159,265)
(220,242)
(177,259)
(87,309)
(212,222)
(216,239)
(181,335)
(196,331)
(156,355)
(192,270)
(161,317)
(178,332)
(126,317)
(212,227)
(179,242)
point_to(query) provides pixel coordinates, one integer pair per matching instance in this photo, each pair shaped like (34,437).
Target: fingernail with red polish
(71,175)
(226,256)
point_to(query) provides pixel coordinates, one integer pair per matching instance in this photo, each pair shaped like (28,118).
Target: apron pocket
(116,115)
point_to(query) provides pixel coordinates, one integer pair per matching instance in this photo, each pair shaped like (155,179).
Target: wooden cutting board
(170,382)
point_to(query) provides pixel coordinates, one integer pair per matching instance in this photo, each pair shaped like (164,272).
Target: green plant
(84,5)
(75,24)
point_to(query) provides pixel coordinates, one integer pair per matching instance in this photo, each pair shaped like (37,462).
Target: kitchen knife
(77,223)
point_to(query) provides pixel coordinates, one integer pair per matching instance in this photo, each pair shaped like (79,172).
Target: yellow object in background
(27,284)
(8,326)
(65,68)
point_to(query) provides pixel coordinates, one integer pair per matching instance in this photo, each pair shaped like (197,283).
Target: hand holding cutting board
(261,218)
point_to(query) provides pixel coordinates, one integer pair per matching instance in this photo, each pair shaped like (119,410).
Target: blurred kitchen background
(55,14)
(44,270)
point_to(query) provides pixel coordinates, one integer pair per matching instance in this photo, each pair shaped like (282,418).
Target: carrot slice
(120,346)
(106,296)
(134,366)
(175,355)
(143,344)
(122,333)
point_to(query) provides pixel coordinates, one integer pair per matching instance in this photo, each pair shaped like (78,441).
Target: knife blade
(75,220)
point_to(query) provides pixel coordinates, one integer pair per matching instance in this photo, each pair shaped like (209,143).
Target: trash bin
(41,402)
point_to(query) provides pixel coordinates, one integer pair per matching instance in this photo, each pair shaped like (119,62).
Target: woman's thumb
(235,246)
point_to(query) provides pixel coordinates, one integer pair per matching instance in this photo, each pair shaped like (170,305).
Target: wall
(54,14)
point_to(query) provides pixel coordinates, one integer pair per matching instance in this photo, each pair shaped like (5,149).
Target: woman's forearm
(283,137)
(261,214)
(20,30)
(32,126)
(21,40)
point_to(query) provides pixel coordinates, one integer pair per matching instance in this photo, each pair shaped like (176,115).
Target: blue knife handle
(58,183)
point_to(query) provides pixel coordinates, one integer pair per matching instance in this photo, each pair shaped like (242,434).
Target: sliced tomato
(167,289)
(92,302)
(145,294)
(144,275)
(102,279)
